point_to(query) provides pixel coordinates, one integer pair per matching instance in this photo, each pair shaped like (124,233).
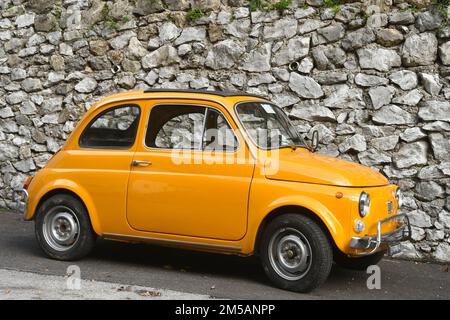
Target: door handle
(140,163)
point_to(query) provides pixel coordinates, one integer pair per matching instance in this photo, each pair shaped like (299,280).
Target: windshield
(268,126)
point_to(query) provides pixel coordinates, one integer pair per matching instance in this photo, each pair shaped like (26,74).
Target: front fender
(270,197)
(41,187)
(335,227)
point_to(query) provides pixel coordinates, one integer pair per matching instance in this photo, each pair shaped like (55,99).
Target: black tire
(315,243)
(83,238)
(357,263)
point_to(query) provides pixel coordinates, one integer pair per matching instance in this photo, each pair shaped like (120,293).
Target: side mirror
(314,141)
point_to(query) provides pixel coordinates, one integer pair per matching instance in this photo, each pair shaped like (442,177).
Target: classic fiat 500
(215,171)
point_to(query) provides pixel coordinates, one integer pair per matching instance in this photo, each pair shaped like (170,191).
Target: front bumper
(21,197)
(371,244)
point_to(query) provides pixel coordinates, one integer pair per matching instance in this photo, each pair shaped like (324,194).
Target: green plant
(414,8)
(281,5)
(58,13)
(256,5)
(336,9)
(331,3)
(112,23)
(441,7)
(105,12)
(267,6)
(365,16)
(334,4)
(195,14)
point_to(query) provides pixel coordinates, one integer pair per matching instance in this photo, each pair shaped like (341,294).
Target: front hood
(303,166)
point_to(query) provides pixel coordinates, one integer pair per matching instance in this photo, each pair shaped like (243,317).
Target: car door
(187,180)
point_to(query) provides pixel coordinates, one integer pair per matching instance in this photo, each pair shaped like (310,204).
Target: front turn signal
(27,182)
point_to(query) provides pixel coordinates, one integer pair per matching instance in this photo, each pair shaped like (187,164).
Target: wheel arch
(326,223)
(79,194)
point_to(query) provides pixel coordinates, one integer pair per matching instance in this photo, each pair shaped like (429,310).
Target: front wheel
(63,228)
(295,252)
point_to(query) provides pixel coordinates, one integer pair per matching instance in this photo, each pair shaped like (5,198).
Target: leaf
(146,293)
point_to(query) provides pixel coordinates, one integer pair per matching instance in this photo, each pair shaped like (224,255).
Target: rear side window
(114,128)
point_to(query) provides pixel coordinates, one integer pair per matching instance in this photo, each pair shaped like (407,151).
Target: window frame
(203,128)
(108,109)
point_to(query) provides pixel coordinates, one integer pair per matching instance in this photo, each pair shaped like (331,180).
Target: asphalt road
(220,276)
(20,285)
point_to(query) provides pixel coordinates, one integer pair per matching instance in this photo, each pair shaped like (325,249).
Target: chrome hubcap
(290,254)
(61,228)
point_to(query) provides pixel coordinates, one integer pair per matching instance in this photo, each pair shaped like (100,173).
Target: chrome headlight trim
(364,204)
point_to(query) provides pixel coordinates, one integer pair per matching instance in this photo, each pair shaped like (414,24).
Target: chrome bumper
(21,197)
(373,243)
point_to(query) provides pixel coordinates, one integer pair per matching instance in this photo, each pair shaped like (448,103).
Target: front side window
(268,126)
(114,128)
(189,127)
(175,127)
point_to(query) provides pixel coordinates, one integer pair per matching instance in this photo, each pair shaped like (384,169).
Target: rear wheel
(63,228)
(357,263)
(296,254)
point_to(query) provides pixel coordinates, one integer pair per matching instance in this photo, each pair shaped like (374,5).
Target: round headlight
(364,204)
(398,196)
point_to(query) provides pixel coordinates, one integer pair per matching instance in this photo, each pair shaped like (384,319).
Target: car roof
(212,92)
(222,97)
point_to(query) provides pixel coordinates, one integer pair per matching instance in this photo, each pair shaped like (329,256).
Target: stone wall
(372,77)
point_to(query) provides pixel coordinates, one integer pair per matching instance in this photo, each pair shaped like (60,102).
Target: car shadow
(199,262)
(184,260)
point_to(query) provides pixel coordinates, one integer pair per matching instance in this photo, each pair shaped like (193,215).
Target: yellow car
(214,171)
